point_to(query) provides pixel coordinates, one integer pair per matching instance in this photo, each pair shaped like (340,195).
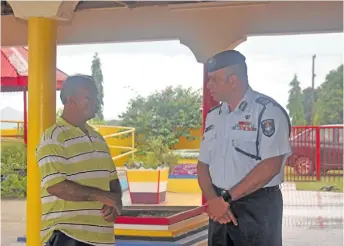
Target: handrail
(119,133)
(10,135)
(12,121)
(128,130)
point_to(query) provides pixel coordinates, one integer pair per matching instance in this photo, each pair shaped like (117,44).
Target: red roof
(14,70)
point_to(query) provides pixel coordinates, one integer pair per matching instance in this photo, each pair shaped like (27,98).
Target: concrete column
(42,20)
(41,112)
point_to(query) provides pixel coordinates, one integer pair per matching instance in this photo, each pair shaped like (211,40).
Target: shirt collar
(242,106)
(63,122)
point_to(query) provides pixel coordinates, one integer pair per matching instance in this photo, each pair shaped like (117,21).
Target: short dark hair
(73,83)
(240,70)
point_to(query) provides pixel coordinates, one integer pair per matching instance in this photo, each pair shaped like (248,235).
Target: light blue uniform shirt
(229,141)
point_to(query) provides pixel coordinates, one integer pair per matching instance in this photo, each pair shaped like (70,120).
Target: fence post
(317,153)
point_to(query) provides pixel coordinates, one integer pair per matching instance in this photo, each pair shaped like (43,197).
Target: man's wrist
(99,195)
(227,196)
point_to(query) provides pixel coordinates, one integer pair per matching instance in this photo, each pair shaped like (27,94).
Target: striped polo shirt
(66,152)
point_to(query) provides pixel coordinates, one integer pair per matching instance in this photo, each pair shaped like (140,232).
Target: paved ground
(312,237)
(12,221)
(310,218)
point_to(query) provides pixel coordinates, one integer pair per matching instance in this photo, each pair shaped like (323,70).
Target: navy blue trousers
(259,218)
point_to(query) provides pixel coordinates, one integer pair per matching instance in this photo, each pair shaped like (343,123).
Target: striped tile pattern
(173,230)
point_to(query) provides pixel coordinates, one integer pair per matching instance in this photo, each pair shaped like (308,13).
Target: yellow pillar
(41,112)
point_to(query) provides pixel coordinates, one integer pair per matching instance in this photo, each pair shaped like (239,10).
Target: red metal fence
(317,153)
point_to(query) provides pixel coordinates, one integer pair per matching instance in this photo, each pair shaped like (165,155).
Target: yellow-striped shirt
(66,152)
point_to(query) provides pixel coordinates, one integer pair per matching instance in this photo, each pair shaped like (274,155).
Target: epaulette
(213,108)
(263,100)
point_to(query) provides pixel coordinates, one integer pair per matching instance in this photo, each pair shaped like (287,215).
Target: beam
(204,30)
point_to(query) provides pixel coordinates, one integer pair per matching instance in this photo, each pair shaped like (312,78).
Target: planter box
(187,164)
(161,225)
(147,186)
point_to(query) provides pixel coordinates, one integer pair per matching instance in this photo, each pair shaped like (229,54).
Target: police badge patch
(268,127)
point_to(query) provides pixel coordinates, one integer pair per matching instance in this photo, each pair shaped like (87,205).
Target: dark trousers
(60,239)
(259,218)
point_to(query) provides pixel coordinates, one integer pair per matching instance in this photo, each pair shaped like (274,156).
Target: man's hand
(216,207)
(109,213)
(227,218)
(111,199)
(218,210)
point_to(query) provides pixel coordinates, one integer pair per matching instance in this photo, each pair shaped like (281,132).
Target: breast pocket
(245,147)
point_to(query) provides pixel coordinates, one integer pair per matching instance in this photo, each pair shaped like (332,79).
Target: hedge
(13,170)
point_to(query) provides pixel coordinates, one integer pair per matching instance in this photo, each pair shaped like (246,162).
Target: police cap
(224,59)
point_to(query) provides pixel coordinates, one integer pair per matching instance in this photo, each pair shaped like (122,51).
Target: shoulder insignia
(263,100)
(213,108)
(243,105)
(209,128)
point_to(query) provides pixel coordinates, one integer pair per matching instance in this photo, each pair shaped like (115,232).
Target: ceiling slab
(205,27)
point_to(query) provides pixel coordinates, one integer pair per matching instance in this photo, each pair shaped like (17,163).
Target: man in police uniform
(242,158)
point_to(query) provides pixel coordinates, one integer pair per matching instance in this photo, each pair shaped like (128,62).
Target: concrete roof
(205,27)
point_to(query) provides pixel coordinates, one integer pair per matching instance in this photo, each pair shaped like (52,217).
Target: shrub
(13,171)
(153,154)
(187,153)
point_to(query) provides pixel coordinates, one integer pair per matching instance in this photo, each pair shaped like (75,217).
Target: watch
(226,196)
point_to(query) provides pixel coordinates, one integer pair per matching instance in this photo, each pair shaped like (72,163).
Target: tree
(330,100)
(114,122)
(307,104)
(169,113)
(97,75)
(295,103)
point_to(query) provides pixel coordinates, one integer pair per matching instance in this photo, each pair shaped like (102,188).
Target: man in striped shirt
(80,191)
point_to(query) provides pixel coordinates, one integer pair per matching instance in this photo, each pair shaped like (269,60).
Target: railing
(124,130)
(12,133)
(317,153)
(16,134)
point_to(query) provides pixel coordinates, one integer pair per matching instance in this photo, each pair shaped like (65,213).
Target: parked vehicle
(304,145)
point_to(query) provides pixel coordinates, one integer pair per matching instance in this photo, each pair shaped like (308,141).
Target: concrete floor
(310,218)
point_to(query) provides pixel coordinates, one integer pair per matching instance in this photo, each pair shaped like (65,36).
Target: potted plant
(147,173)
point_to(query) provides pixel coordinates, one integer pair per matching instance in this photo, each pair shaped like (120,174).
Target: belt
(259,192)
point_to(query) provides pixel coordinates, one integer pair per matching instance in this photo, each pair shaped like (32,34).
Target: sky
(130,69)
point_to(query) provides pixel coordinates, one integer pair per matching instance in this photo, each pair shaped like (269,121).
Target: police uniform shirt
(235,142)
